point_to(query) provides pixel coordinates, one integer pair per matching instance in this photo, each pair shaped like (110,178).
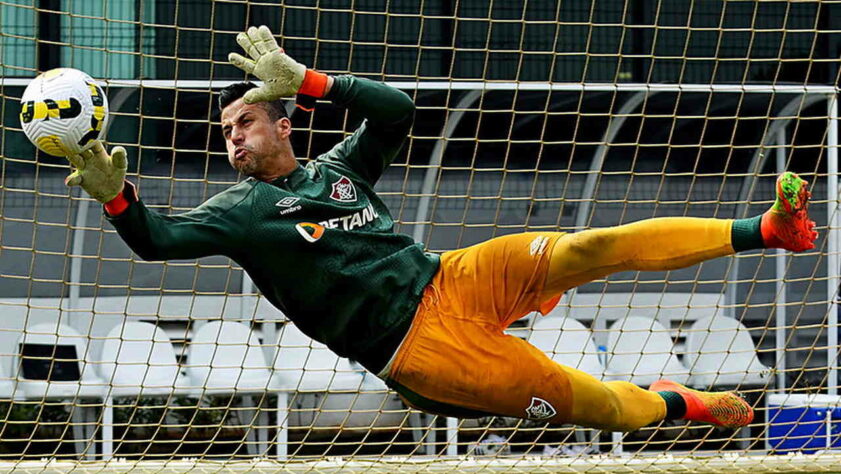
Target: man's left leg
(672,243)
(669,243)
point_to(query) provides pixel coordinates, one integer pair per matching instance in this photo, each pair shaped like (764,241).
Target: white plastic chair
(8,382)
(59,338)
(225,357)
(721,352)
(305,366)
(640,351)
(350,397)
(567,342)
(137,360)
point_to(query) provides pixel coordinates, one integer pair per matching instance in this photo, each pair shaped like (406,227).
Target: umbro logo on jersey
(343,190)
(540,409)
(288,201)
(288,205)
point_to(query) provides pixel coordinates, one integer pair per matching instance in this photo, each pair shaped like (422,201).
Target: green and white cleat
(787,225)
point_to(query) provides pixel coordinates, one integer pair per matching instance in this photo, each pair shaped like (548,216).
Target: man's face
(253,140)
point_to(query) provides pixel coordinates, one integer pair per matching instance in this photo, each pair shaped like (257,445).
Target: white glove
(100,175)
(282,76)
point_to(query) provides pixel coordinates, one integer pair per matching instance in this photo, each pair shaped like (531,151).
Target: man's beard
(247,166)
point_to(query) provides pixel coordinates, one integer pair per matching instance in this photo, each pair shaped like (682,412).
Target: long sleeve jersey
(318,243)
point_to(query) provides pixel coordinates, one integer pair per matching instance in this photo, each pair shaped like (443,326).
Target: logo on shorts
(538,245)
(540,409)
(309,231)
(343,190)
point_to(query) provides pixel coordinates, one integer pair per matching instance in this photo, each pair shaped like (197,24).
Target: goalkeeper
(319,244)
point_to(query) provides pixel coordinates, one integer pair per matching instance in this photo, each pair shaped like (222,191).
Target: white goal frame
(801,96)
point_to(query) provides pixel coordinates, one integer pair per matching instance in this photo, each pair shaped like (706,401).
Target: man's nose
(237,137)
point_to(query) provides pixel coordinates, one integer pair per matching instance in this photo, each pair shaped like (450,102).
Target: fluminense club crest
(540,409)
(343,190)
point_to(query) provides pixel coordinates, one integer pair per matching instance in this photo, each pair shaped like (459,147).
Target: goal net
(531,115)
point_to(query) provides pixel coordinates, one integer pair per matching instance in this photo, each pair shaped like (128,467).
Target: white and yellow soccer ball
(63,111)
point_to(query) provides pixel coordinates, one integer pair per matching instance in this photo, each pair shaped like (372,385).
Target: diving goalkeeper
(319,244)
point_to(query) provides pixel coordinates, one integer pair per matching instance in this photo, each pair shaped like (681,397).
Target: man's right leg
(623,406)
(612,406)
(466,368)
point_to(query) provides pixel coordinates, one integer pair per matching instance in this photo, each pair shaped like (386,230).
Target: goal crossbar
(495,86)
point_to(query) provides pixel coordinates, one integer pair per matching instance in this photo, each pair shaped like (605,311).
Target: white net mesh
(531,115)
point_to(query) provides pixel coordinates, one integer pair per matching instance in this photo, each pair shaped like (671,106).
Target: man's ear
(283,126)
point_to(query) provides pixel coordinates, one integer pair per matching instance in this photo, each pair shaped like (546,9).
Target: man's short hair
(275,108)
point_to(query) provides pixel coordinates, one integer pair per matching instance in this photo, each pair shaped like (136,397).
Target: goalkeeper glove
(282,76)
(100,175)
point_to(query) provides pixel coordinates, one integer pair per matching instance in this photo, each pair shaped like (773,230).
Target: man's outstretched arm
(214,228)
(388,112)
(210,229)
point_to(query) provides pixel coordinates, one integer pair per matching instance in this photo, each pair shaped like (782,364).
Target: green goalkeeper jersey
(318,243)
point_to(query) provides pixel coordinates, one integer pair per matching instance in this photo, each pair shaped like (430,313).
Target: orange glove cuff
(314,85)
(116,206)
(119,204)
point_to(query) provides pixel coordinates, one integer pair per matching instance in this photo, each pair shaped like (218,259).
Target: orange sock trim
(314,85)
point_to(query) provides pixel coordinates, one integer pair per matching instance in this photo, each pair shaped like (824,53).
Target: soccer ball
(63,111)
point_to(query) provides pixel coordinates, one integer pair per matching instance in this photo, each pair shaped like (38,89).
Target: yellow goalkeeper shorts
(457,361)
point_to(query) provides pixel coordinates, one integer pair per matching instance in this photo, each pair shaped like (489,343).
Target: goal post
(531,116)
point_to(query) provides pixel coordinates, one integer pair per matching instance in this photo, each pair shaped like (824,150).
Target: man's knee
(589,244)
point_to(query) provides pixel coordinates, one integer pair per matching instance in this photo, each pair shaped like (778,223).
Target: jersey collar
(293,179)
